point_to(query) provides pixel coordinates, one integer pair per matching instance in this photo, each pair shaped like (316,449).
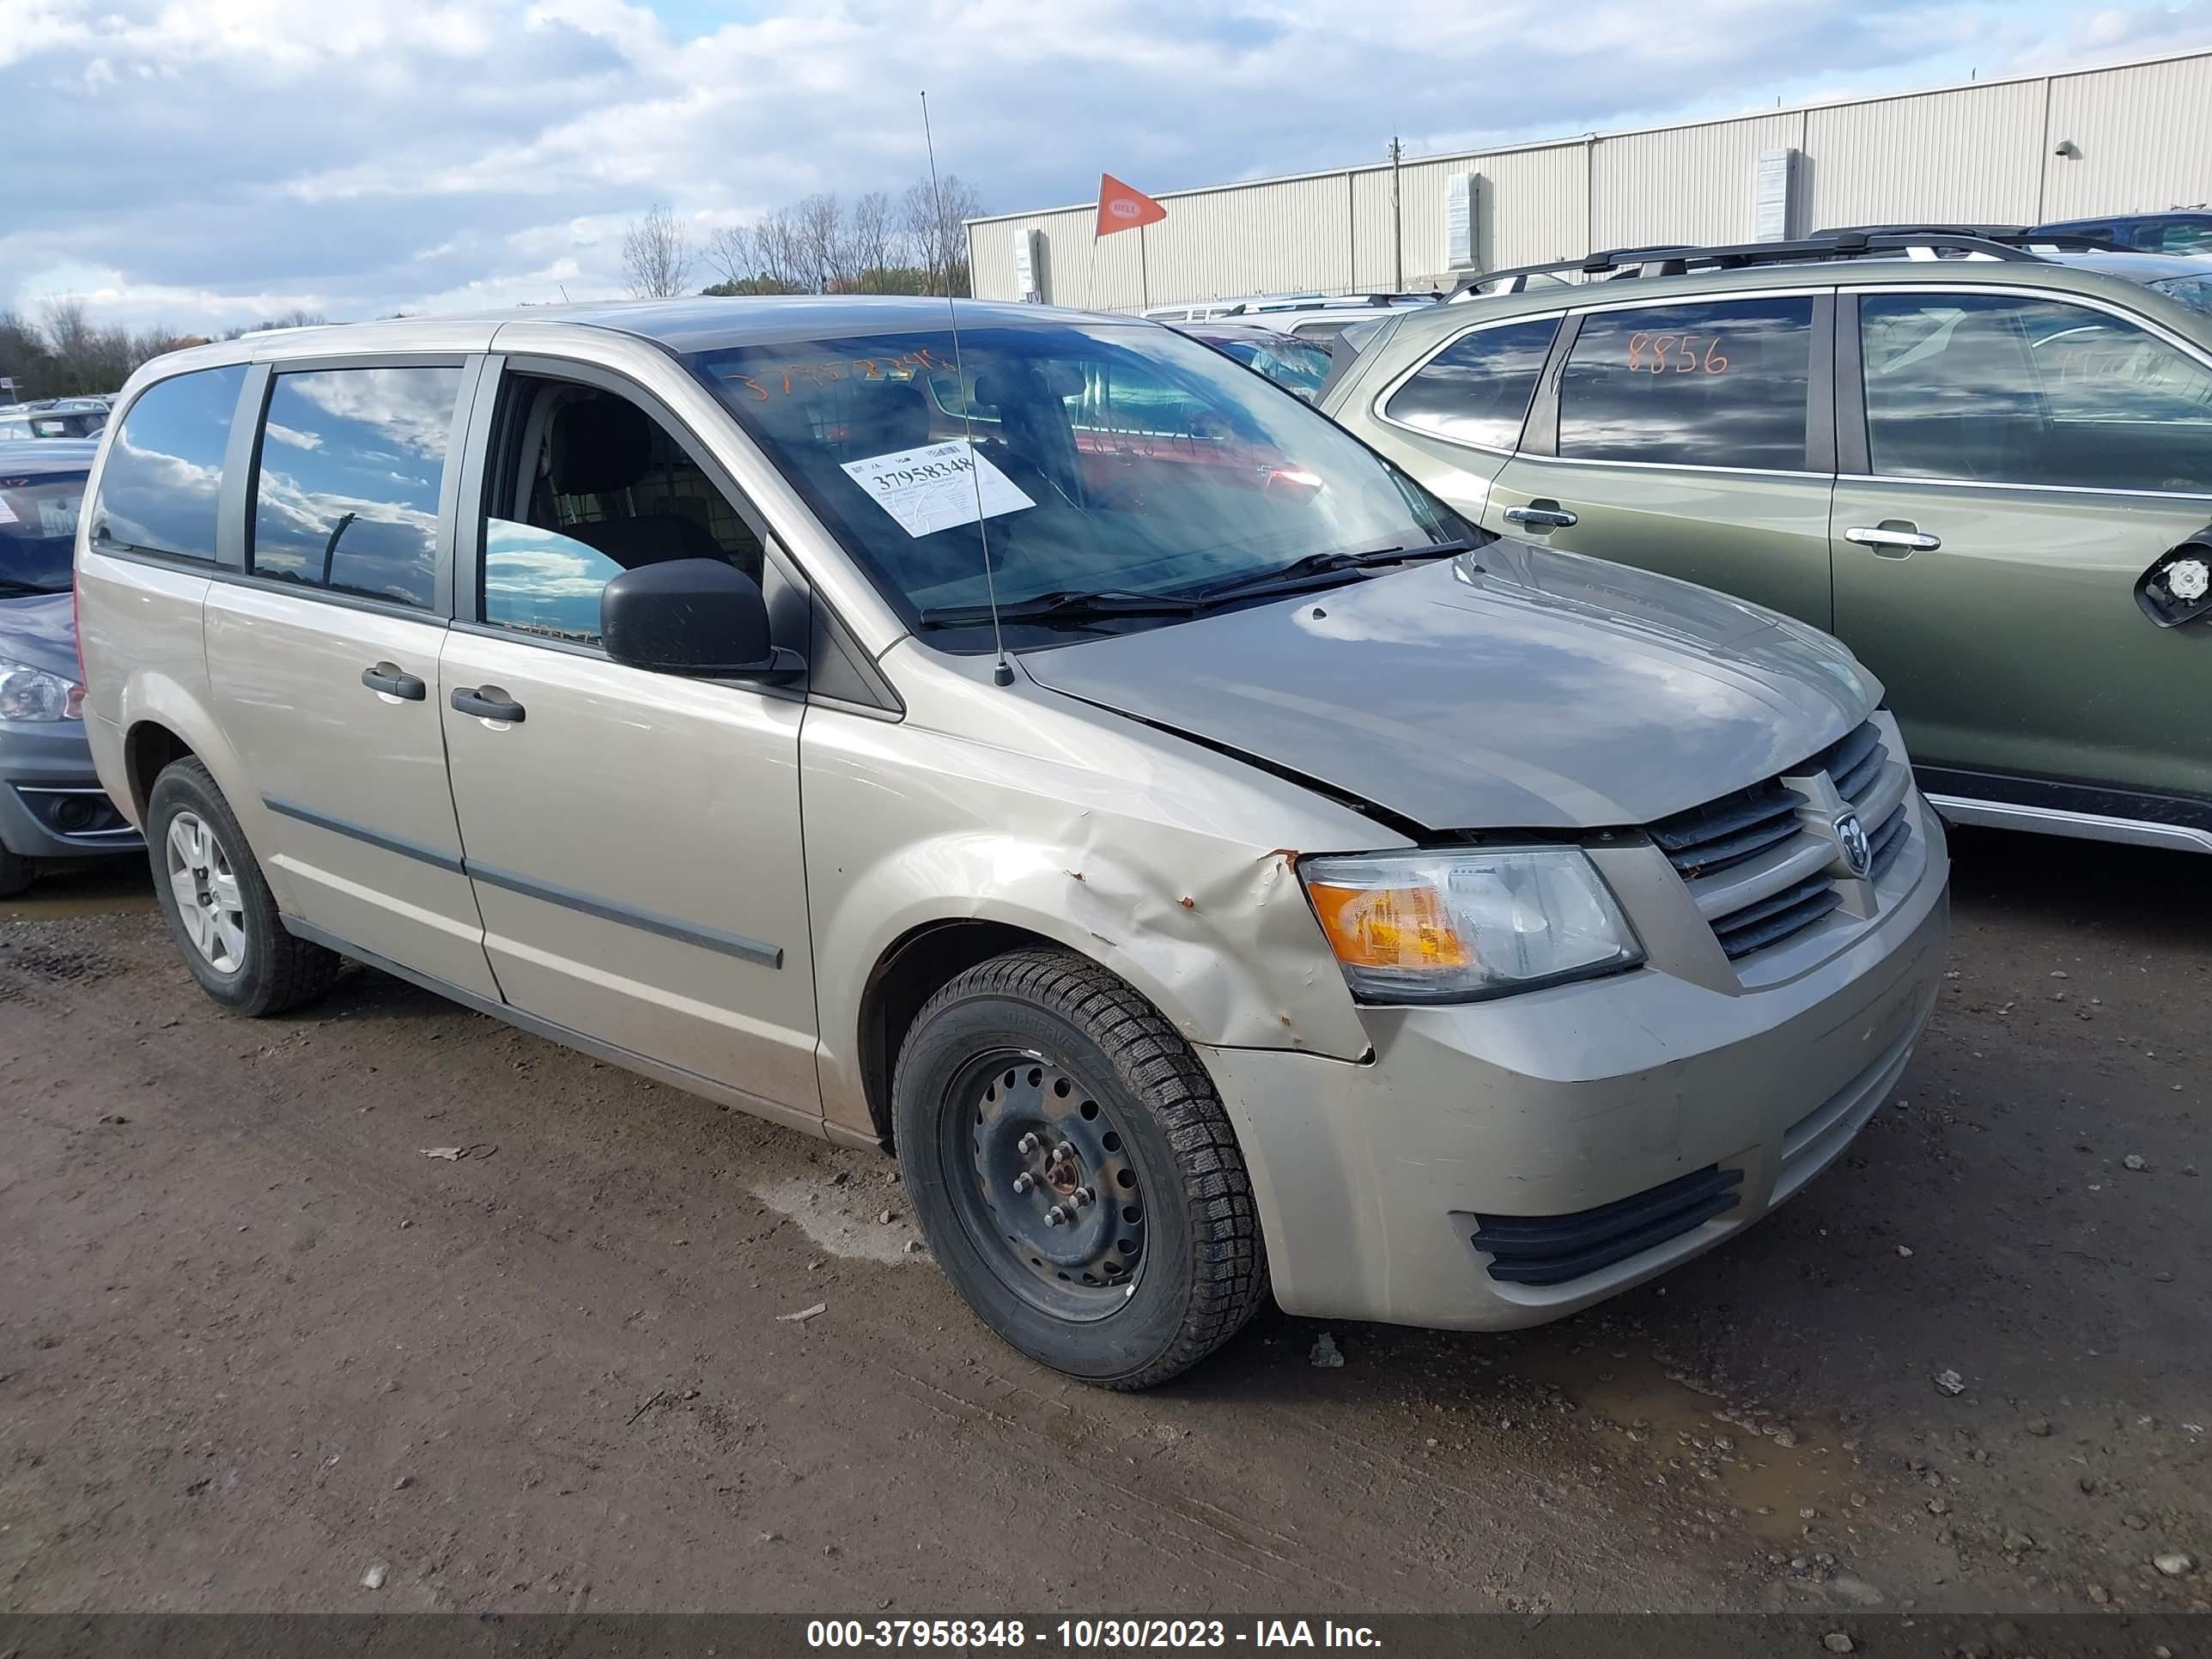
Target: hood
(1513,687)
(40,629)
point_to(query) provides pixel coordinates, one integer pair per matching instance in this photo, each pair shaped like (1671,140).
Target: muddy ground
(254,1343)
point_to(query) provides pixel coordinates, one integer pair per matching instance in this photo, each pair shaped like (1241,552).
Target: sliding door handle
(487,703)
(393,681)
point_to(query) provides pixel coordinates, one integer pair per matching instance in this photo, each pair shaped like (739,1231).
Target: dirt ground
(253,1343)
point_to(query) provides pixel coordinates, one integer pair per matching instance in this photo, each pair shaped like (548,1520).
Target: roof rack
(1327,302)
(2010,243)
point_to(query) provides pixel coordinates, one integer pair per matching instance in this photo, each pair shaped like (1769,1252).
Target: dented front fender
(1159,860)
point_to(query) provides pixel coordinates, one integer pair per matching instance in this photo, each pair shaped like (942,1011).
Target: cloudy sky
(205,163)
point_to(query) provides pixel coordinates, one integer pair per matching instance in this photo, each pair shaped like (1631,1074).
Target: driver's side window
(584,485)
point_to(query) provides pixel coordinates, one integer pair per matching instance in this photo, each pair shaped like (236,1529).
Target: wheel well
(910,973)
(150,747)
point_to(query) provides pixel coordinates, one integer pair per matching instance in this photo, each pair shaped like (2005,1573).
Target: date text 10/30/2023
(1085,1635)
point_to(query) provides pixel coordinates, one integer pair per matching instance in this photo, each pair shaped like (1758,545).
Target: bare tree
(66,352)
(872,240)
(937,233)
(819,224)
(656,255)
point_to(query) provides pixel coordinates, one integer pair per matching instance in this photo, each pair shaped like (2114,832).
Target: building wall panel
(1968,156)
(1972,154)
(1687,184)
(2145,135)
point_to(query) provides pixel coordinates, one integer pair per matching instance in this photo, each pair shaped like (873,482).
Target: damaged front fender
(1149,855)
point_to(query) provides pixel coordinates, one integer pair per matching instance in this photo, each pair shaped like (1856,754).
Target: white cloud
(426,154)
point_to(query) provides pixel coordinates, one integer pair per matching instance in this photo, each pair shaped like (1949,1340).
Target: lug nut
(1023,1182)
(1056,1217)
(1065,1152)
(1026,1145)
(1081,1196)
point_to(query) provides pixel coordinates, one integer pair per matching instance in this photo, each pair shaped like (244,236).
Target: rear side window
(1718,383)
(164,473)
(352,462)
(1999,388)
(1478,389)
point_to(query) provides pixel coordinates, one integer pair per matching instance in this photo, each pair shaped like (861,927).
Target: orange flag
(1120,208)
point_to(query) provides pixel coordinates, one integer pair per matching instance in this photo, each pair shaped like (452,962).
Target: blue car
(2179,231)
(51,805)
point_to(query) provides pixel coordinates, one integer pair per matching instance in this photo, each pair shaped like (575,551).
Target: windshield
(1122,459)
(1295,365)
(2195,292)
(37,530)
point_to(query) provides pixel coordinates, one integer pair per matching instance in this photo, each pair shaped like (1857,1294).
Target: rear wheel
(1074,1170)
(218,908)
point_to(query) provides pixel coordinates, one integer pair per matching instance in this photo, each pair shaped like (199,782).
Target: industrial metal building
(2115,139)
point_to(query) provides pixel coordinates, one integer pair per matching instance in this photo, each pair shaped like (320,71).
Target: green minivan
(1984,462)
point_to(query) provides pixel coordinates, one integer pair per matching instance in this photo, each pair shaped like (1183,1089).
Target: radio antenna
(1003,674)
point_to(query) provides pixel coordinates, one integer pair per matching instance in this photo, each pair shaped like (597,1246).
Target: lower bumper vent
(1551,1249)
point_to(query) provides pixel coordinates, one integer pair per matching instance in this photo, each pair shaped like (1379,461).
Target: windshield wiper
(1298,572)
(1064,605)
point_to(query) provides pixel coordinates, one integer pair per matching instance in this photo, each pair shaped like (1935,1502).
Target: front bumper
(1375,1181)
(51,804)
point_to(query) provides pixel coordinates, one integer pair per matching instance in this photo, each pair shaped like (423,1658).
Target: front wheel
(1074,1170)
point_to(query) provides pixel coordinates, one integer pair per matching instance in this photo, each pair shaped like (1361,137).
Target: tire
(1163,1262)
(247,962)
(14,873)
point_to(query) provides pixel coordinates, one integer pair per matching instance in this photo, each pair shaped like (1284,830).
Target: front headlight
(31,694)
(1452,927)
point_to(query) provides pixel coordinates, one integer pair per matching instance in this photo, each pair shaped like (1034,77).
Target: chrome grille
(1759,874)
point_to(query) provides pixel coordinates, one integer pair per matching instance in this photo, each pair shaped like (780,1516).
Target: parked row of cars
(1223,853)
(53,418)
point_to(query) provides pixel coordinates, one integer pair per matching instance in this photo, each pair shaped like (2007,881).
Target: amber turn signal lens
(1388,926)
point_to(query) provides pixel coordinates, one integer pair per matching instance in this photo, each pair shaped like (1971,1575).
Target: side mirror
(2179,587)
(697,617)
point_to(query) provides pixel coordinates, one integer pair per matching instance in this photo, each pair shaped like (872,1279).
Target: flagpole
(1144,270)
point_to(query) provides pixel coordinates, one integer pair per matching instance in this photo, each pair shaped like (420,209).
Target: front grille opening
(1706,842)
(1773,920)
(1853,761)
(1887,843)
(1710,838)
(1552,1249)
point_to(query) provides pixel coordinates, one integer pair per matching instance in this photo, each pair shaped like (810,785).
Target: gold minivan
(1038,746)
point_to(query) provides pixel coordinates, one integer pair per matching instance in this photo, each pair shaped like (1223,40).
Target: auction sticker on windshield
(937,486)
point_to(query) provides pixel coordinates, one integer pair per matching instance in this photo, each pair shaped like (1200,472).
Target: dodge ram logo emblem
(1851,837)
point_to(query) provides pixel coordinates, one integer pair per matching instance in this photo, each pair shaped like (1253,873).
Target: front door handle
(487,703)
(393,681)
(1893,538)
(1539,515)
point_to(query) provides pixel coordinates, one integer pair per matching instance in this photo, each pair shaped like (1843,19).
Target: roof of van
(702,322)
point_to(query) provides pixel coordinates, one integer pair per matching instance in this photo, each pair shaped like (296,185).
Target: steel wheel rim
(1025,1137)
(204,886)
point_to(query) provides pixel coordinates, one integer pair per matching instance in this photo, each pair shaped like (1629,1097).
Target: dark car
(2147,233)
(51,805)
(1290,361)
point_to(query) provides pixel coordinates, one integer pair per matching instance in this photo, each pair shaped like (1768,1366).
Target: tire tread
(1229,1259)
